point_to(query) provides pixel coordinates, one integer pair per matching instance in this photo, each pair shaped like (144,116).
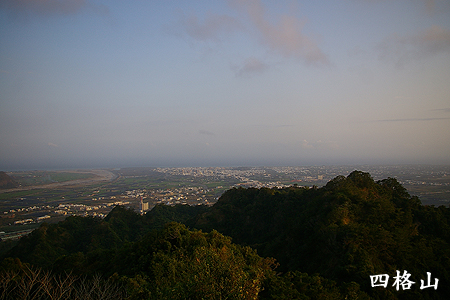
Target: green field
(430,195)
(45,177)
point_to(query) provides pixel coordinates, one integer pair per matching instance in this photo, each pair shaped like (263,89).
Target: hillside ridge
(329,239)
(6,182)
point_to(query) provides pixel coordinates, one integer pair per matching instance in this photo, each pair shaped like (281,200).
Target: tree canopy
(289,243)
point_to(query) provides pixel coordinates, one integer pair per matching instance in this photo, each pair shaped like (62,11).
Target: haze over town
(97,84)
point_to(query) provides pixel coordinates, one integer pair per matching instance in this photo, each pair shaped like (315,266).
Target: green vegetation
(18,194)
(45,177)
(434,195)
(290,243)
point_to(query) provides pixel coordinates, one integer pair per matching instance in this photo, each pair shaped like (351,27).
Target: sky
(99,84)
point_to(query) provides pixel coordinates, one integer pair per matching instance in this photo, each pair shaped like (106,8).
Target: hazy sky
(223,83)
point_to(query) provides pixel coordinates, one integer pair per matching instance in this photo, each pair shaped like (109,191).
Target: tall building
(142,206)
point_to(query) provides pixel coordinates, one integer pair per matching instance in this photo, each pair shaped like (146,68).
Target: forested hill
(327,241)
(346,231)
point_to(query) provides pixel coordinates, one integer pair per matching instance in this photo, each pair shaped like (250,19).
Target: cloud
(286,37)
(446,110)
(436,6)
(212,27)
(250,66)
(306,145)
(429,4)
(206,132)
(48,7)
(409,120)
(403,49)
(53,145)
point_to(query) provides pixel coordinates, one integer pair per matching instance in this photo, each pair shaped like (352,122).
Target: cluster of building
(215,172)
(99,210)
(146,200)
(46,212)
(28,221)
(28,209)
(261,176)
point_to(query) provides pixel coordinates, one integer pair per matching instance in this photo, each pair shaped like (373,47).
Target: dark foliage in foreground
(327,242)
(20,281)
(346,231)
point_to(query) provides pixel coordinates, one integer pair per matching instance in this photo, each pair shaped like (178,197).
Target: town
(140,189)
